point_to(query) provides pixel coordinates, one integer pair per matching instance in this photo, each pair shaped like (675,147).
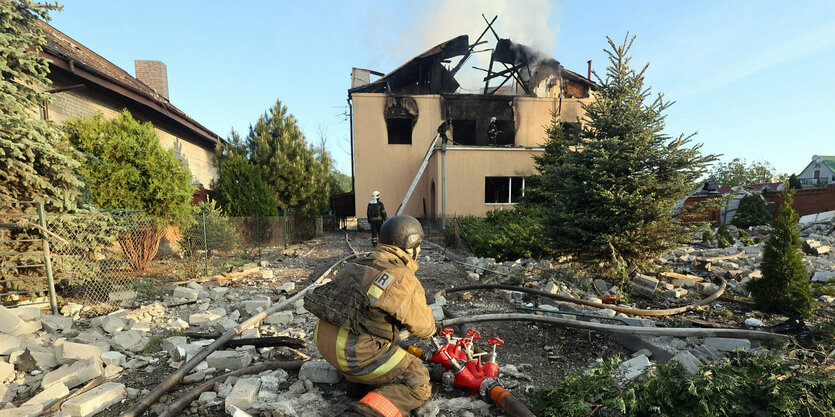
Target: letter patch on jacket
(383,280)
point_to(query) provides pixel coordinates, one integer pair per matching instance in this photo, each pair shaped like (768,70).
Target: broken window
(464,131)
(399,131)
(503,190)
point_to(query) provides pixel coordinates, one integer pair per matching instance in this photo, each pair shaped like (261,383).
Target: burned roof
(67,53)
(426,73)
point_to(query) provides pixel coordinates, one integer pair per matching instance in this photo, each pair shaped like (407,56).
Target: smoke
(436,21)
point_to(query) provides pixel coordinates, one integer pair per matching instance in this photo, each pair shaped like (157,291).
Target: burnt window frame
(512,198)
(401,121)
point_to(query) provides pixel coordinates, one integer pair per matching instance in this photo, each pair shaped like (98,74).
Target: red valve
(474,334)
(447,332)
(494,341)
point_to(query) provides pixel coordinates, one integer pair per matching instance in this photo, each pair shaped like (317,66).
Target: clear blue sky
(754,78)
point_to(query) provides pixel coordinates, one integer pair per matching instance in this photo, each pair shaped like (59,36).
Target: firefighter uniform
(376,213)
(364,350)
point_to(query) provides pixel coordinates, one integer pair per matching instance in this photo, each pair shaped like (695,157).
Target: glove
(438,328)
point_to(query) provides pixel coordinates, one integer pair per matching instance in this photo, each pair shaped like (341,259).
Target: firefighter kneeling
(361,312)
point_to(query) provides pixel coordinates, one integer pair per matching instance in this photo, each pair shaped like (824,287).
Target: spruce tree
(784,287)
(611,190)
(35,162)
(794,182)
(752,211)
(288,166)
(240,191)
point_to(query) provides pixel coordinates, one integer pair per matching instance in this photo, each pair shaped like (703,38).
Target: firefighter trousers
(399,381)
(375,231)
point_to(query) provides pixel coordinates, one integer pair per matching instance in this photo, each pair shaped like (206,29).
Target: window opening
(464,132)
(399,131)
(503,190)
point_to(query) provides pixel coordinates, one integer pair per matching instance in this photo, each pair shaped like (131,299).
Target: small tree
(36,164)
(784,287)
(723,237)
(293,170)
(611,191)
(127,169)
(794,182)
(752,211)
(708,238)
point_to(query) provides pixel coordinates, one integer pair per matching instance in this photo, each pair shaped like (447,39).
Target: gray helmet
(405,232)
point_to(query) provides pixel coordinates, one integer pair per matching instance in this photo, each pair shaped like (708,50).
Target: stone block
(684,283)
(224,324)
(645,281)
(44,357)
(130,340)
(601,285)
(33,410)
(690,362)
(823,276)
(320,372)
(6,394)
(110,371)
(7,372)
(281,318)
(189,294)
(9,322)
(49,396)
(437,312)
(112,324)
(203,319)
(253,307)
(243,393)
(141,327)
(634,367)
(68,352)
(224,359)
(177,324)
(113,358)
(27,313)
(95,400)
(56,323)
(171,343)
(8,343)
(73,375)
(828,299)
(267,274)
(755,274)
(675,293)
(727,344)
(642,290)
(217,292)
(287,287)
(122,297)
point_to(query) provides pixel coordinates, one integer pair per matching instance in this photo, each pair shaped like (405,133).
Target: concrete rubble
(44,356)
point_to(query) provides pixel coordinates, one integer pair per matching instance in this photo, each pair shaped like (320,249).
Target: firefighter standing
(361,313)
(376,214)
(492,132)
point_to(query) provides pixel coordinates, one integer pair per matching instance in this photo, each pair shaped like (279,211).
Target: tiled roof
(59,45)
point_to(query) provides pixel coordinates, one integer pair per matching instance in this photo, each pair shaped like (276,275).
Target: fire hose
(458,356)
(626,310)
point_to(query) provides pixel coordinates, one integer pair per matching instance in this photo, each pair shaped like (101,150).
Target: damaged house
(395,119)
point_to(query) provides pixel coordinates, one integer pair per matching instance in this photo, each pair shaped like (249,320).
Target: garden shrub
(507,234)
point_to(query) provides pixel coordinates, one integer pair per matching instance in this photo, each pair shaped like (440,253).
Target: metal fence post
(205,243)
(53,302)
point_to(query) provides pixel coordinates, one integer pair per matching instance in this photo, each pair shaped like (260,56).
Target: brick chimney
(153,73)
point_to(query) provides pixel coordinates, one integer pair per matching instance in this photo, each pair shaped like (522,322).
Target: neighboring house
(84,83)
(725,213)
(396,118)
(820,170)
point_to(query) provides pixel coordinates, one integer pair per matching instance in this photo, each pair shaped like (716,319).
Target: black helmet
(405,232)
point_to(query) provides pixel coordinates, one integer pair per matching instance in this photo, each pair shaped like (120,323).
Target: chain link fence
(111,257)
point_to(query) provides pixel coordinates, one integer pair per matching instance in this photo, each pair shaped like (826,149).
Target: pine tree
(611,190)
(784,287)
(752,211)
(288,166)
(240,191)
(794,182)
(35,162)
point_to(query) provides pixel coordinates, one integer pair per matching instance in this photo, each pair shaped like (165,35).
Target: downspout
(351,135)
(443,185)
